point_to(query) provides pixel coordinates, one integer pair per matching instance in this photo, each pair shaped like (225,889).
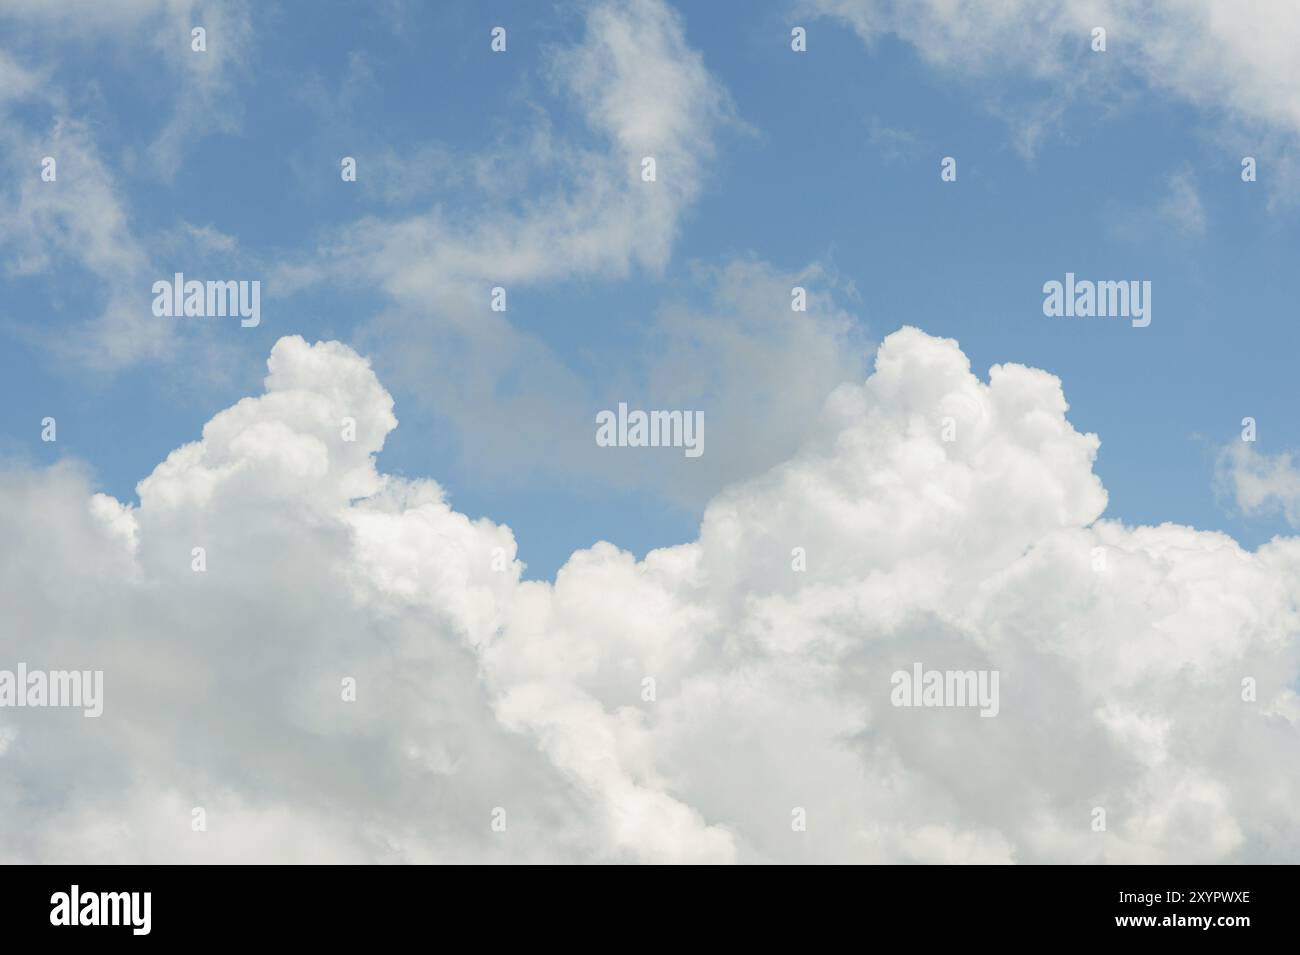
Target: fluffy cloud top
(1121,677)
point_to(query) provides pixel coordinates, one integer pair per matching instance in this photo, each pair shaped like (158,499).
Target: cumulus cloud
(1121,676)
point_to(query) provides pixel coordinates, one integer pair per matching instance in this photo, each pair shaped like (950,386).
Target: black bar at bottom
(1222,905)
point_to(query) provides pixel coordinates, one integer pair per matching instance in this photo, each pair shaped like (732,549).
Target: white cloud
(79,233)
(522,413)
(201,82)
(643,92)
(81,221)
(1261,482)
(518,409)
(1235,60)
(1120,687)
(78,219)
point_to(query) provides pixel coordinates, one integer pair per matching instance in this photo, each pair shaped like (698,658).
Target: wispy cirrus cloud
(82,224)
(1234,61)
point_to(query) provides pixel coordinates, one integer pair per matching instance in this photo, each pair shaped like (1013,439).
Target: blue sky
(827,157)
